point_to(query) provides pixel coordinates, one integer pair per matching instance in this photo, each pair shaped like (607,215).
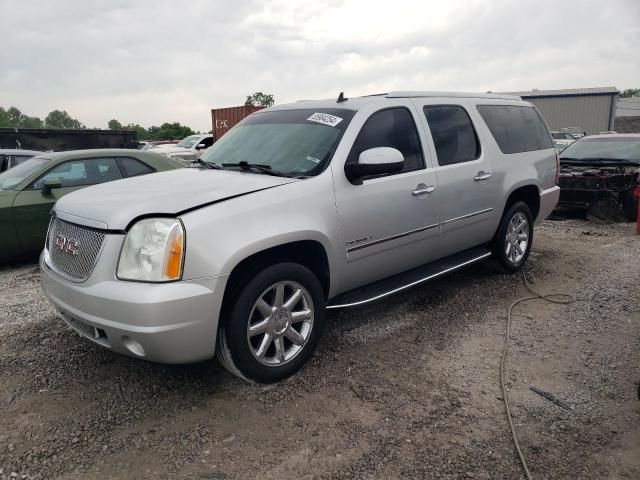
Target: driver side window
(77,173)
(395,128)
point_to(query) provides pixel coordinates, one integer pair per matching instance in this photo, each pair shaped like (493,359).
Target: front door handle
(423,189)
(482,176)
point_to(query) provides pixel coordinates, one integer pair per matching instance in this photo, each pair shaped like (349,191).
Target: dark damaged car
(601,167)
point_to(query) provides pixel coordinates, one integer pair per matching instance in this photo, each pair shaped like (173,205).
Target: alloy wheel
(517,238)
(280,323)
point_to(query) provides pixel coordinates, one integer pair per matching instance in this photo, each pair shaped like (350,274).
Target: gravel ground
(407,388)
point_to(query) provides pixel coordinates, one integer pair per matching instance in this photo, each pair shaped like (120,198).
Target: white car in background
(562,140)
(188,149)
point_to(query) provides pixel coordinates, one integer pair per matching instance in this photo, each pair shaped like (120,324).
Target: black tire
(499,243)
(233,348)
(630,205)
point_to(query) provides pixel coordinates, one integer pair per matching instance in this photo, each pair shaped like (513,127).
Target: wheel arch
(527,193)
(309,253)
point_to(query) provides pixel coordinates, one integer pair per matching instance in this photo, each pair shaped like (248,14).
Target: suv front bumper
(165,323)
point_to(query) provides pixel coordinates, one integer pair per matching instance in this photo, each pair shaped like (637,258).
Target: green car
(29,190)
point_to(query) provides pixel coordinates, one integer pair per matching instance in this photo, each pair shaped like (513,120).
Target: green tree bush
(630,92)
(61,119)
(259,99)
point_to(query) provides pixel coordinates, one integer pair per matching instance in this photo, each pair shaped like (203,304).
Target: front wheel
(513,240)
(274,325)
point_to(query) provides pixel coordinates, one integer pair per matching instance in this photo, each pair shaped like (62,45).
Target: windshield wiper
(201,163)
(261,168)
(257,167)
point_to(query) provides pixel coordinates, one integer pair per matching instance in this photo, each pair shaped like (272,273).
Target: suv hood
(114,205)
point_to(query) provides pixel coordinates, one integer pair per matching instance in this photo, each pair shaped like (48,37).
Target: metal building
(591,109)
(628,115)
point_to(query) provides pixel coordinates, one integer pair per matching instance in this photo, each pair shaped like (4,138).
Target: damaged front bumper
(582,185)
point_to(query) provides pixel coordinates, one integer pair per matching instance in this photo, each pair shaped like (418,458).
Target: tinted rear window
(516,129)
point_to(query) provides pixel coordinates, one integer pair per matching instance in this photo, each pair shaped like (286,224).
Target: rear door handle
(422,189)
(482,176)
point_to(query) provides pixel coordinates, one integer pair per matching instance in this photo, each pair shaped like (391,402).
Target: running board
(410,278)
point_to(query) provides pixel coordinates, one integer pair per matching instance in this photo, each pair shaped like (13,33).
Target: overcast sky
(152,61)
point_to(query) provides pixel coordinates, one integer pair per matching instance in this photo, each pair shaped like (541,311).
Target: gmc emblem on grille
(66,245)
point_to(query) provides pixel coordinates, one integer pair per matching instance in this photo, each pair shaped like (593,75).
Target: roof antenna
(341,98)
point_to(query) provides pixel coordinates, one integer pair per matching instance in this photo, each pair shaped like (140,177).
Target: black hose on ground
(560,298)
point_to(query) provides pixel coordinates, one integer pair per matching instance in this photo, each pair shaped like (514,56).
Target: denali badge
(66,245)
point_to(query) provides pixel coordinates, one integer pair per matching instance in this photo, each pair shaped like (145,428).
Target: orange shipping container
(222,119)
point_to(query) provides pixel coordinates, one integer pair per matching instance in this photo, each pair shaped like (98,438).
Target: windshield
(616,148)
(12,177)
(188,141)
(291,142)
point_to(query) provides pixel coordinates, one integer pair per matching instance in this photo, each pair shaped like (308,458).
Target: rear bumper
(548,201)
(166,323)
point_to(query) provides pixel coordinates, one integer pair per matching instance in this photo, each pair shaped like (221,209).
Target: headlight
(153,251)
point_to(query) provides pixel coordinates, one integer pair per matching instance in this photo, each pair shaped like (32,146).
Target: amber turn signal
(173,258)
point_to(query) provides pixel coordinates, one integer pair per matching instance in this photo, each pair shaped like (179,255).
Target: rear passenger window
(132,167)
(453,134)
(516,129)
(395,128)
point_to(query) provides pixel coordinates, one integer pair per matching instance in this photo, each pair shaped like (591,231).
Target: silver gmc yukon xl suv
(299,208)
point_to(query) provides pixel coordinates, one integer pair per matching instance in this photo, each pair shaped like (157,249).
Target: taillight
(557,168)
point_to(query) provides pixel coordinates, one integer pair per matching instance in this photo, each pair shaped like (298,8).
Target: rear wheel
(513,240)
(274,325)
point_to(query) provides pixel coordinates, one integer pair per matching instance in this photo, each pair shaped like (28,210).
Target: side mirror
(201,146)
(375,161)
(49,184)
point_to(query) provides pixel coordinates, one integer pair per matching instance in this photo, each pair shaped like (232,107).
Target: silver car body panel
(548,200)
(160,194)
(174,322)
(368,232)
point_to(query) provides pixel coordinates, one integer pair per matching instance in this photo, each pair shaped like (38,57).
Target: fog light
(133,346)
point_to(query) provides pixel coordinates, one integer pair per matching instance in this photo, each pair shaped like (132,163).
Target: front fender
(220,236)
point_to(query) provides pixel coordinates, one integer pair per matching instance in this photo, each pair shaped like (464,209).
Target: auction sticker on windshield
(325,119)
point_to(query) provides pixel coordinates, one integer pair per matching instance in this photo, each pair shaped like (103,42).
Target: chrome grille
(78,262)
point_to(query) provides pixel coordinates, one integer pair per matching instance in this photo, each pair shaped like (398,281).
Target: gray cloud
(154,61)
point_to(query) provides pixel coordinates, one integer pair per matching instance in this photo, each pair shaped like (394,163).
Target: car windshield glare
(608,148)
(188,141)
(14,176)
(292,142)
